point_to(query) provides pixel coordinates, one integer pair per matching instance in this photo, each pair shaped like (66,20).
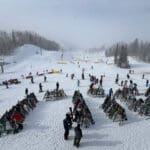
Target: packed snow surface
(43,127)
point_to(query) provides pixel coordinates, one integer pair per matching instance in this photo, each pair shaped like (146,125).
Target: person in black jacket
(40,87)
(26,91)
(57,86)
(66,127)
(78,135)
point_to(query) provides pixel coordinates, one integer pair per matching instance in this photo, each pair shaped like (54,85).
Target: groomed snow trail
(43,129)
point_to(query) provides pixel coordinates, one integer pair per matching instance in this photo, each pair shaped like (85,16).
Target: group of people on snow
(12,120)
(80,115)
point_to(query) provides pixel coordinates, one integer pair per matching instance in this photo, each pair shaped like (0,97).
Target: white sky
(79,23)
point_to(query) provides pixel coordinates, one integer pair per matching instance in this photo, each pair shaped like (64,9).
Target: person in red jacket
(17,119)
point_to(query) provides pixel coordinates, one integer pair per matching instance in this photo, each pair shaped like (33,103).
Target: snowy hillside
(43,127)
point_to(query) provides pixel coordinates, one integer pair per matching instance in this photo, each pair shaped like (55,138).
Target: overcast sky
(79,23)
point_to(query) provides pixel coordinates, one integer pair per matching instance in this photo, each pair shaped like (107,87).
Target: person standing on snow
(147,82)
(6,83)
(45,78)
(121,83)
(32,80)
(143,76)
(78,82)
(66,127)
(101,81)
(57,86)
(26,91)
(110,92)
(128,76)
(82,75)
(40,88)
(78,135)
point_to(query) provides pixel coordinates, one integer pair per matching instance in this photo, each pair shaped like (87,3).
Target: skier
(78,135)
(40,87)
(26,91)
(57,86)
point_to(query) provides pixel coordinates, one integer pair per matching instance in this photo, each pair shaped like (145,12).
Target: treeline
(138,49)
(10,41)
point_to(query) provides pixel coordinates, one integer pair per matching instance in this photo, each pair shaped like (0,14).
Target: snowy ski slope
(43,128)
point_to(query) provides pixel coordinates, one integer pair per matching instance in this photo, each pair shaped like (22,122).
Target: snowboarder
(40,87)
(57,86)
(78,135)
(26,91)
